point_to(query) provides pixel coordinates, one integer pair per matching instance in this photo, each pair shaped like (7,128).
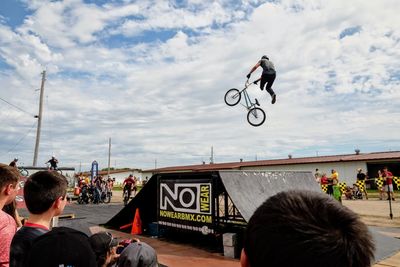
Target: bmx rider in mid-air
(268,76)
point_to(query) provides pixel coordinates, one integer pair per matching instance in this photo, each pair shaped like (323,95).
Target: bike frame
(247,99)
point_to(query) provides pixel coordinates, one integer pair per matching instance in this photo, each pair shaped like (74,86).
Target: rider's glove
(255,82)
(248,76)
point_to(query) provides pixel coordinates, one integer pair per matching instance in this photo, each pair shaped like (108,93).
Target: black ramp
(249,189)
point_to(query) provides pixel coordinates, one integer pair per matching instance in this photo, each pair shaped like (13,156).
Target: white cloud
(159,94)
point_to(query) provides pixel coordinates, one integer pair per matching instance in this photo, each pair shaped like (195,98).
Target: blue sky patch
(14,12)
(350,31)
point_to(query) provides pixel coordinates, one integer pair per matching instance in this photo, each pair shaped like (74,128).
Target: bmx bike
(255,116)
(24,172)
(125,196)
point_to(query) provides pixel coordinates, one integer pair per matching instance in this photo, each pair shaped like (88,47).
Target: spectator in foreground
(105,248)
(138,254)
(304,228)
(9,187)
(45,197)
(11,209)
(62,246)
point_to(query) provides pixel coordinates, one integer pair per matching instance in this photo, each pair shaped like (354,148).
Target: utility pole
(212,155)
(109,157)
(39,117)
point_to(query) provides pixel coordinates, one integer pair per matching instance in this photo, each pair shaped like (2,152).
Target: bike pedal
(258,104)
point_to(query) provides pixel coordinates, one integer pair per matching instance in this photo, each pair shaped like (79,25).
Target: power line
(20,140)
(30,114)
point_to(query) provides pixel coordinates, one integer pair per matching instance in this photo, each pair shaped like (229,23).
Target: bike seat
(258,104)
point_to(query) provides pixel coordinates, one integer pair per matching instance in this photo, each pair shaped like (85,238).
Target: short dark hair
(8,175)
(42,189)
(304,228)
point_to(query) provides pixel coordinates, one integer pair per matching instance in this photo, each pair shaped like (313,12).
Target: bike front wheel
(256,116)
(24,172)
(232,97)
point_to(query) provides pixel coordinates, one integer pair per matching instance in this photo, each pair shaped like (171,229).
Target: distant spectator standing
(329,190)
(304,228)
(97,189)
(388,176)
(14,163)
(324,179)
(362,177)
(53,163)
(317,176)
(337,194)
(144,182)
(381,188)
(134,186)
(45,196)
(9,186)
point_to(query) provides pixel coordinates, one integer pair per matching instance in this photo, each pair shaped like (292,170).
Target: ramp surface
(249,189)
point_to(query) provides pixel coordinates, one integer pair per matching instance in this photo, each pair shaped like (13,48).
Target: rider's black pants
(269,80)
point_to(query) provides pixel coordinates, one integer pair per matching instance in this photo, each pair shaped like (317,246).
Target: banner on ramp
(186,204)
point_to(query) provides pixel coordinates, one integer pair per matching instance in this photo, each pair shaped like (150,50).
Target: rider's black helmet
(264,57)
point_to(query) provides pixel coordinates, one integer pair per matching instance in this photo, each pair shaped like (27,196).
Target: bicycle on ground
(255,116)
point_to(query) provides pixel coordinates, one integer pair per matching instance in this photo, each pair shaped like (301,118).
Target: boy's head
(9,186)
(304,228)
(44,189)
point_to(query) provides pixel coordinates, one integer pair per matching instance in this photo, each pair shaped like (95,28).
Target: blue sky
(152,75)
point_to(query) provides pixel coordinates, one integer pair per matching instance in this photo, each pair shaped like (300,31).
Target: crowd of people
(308,228)
(95,190)
(358,190)
(34,243)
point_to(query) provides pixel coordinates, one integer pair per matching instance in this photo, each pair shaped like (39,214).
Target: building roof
(374,156)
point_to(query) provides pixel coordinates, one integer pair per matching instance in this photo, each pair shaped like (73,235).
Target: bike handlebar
(248,83)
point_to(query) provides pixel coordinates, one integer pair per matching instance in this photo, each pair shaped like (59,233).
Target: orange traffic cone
(137,224)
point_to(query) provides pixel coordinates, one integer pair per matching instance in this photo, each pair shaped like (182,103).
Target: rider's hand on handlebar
(248,76)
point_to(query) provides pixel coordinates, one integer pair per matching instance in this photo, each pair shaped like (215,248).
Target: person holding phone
(105,246)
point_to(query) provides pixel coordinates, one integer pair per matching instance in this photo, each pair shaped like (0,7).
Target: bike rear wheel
(256,116)
(232,97)
(107,198)
(125,198)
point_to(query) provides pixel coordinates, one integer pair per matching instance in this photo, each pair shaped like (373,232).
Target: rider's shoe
(273,99)
(258,104)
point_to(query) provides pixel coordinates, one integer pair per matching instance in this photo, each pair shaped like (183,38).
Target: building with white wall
(345,165)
